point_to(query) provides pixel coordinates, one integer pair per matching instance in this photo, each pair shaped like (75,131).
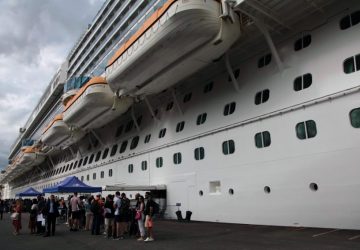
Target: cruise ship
(240,111)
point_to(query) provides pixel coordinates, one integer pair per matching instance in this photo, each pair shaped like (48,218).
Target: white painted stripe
(328,232)
(354,237)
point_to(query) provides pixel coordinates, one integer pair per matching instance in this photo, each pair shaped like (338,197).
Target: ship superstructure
(256,111)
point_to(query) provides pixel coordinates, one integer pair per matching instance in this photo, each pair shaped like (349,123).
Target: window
(123,146)
(131,168)
(350,20)
(262,96)
(87,177)
(147,138)
(228,147)
(352,64)
(169,106)
(236,74)
(208,87)
(67,167)
(162,133)
(80,162)
(106,152)
(98,154)
(262,139)
(91,158)
(110,173)
(75,165)
(94,176)
(159,162)
(201,119)
(102,174)
(187,97)
(199,153)
(302,82)
(119,131)
(134,142)
(306,130)
(113,150)
(229,108)
(71,165)
(177,158)
(85,160)
(82,178)
(263,61)
(180,126)
(143,165)
(355,118)
(302,42)
(129,126)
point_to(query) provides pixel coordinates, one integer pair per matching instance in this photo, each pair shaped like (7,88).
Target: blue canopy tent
(30,192)
(70,185)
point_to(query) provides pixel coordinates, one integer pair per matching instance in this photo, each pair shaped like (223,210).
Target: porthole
(201,193)
(314,187)
(231,191)
(267,189)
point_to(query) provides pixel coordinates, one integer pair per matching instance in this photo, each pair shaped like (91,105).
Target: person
(149,212)
(33,216)
(2,207)
(75,204)
(16,217)
(109,215)
(140,219)
(41,207)
(51,211)
(124,215)
(117,205)
(96,210)
(88,214)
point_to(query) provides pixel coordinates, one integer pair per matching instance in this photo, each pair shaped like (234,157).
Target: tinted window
(208,87)
(123,146)
(159,162)
(199,153)
(229,108)
(85,160)
(262,139)
(187,97)
(106,152)
(113,150)
(228,147)
(177,158)
(134,142)
(169,106)
(180,126)
(201,119)
(162,133)
(355,118)
(91,158)
(305,130)
(131,168)
(147,138)
(98,154)
(143,165)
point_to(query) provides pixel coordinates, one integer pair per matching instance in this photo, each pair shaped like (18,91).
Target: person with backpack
(151,208)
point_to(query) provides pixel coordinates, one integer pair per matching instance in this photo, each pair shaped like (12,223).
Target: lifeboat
(176,41)
(58,134)
(30,156)
(94,105)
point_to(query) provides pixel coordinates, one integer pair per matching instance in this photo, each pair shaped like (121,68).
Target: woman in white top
(140,209)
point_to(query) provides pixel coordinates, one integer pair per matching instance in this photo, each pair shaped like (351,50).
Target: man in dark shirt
(51,211)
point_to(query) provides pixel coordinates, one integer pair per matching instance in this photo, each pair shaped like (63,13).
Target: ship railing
(129,31)
(78,67)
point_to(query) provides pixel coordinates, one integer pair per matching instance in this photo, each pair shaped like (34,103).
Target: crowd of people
(114,214)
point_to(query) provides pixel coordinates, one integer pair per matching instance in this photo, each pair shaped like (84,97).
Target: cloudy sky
(35,38)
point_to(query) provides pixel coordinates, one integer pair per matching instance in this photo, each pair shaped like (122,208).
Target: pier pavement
(171,235)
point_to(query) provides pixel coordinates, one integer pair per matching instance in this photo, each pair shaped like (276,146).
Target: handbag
(138,215)
(15,216)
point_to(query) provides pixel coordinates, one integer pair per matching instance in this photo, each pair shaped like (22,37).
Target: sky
(35,38)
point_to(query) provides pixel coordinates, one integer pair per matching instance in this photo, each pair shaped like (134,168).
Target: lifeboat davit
(58,134)
(176,41)
(94,105)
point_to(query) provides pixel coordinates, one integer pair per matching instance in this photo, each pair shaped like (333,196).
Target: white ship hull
(309,181)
